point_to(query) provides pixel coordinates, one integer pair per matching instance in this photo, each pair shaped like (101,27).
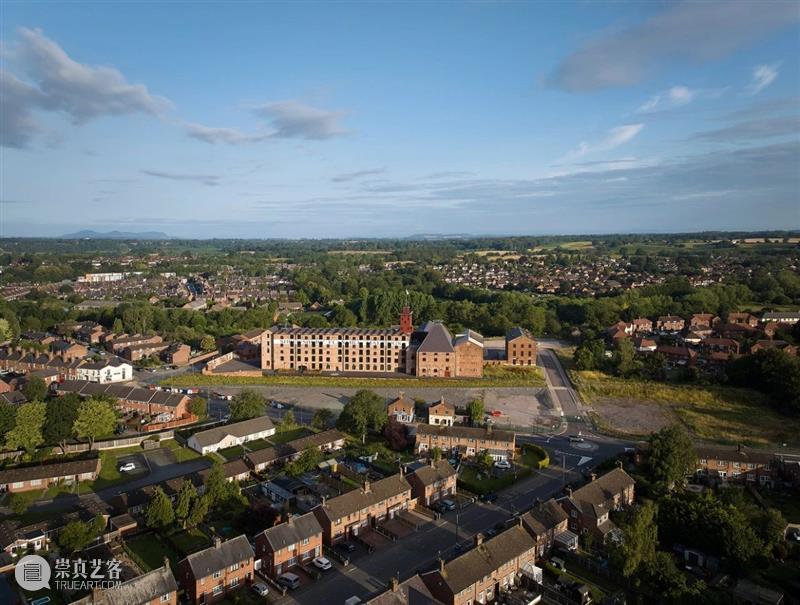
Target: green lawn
(150,550)
(495,376)
(257,444)
(232,453)
(786,502)
(285,436)
(190,540)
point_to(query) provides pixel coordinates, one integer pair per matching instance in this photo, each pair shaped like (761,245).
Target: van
(289,580)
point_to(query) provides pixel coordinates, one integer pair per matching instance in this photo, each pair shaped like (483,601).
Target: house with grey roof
(295,542)
(156,586)
(589,507)
(209,575)
(231,435)
(478,575)
(354,512)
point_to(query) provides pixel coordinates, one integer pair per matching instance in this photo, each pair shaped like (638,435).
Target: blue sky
(339,119)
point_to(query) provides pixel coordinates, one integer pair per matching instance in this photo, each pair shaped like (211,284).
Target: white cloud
(615,137)
(683,31)
(669,99)
(212,180)
(293,120)
(58,83)
(763,76)
(213,135)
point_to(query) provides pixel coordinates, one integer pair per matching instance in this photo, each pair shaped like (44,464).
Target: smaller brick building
(209,575)
(520,347)
(283,546)
(589,507)
(431,481)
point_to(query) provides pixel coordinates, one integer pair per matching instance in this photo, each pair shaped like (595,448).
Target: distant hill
(89,234)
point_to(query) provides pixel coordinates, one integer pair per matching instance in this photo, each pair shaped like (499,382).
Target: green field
(285,436)
(494,376)
(711,413)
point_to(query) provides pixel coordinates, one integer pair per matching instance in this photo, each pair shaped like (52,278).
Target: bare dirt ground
(632,416)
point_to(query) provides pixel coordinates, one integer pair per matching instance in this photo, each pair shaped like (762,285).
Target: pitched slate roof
(465,432)
(410,592)
(237,429)
(292,532)
(517,333)
(355,500)
(50,471)
(544,517)
(734,454)
(141,590)
(594,497)
(85,388)
(429,474)
(436,338)
(218,557)
(13,397)
(294,446)
(462,572)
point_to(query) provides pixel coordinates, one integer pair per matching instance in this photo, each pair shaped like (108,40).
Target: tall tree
(8,415)
(247,404)
(671,457)
(60,417)
(35,389)
(95,418)
(322,418)
(640,539)
(159,513)
(198,512)
(287,423)
(27,431)
(476,409)
(199,407)
(78,534)
(215,485)
(365,410)
(187,494)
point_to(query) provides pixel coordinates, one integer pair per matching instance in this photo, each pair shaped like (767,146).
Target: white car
(127,467)
(502,464)
(322,563)
(261,589)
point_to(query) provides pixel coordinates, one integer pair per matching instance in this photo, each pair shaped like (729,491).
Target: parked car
(261,589)
(322,563)
(276,405)
(127,467)
(41,601)
(489,497)
(347,547)
(447,504)
(289,580)
(558,563)
(502,464)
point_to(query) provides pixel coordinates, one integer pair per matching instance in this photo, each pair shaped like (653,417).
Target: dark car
(447,504)
(489,497)
(347,547)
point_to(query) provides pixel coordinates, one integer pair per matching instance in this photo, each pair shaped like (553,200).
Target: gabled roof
(218,557)
(50,471)
(471,567)
(293,531)
(465,432)
(469,336)
(518,333)
(410,592)
(594,498)
(140,590)
(237,429)
(355,500)
(544,517)
(430,473)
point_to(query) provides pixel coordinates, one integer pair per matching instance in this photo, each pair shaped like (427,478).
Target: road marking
(583,460)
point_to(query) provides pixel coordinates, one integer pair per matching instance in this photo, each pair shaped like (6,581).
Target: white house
(231,435)
(105,371)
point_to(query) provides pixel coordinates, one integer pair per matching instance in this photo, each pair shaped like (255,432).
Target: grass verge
(494,376)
